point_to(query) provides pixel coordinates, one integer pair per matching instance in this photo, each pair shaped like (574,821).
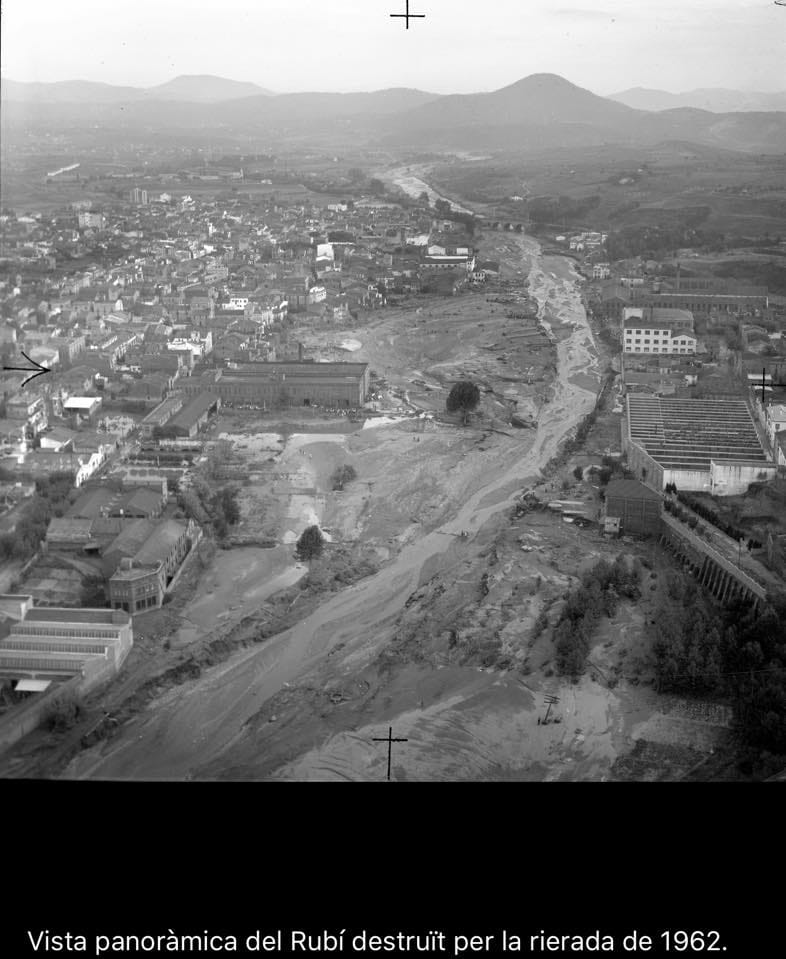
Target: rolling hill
(193,89)
(714,100)
(539,112)
(204,89)
(66,91)
(547,111)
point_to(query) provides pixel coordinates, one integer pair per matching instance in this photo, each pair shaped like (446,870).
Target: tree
(464,396)
(341,475)
(310,544)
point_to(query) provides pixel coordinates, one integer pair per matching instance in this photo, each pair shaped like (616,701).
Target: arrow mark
(38,371)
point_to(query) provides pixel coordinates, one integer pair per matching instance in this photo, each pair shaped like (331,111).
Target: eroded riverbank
(199,729)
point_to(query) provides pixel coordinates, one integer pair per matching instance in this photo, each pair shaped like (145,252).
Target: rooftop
(630,489)
(59,615)
(194,410)
(690,433)
(159,545)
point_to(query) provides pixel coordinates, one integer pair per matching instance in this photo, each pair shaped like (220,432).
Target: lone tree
(310,544)
(464,396)
(343,474)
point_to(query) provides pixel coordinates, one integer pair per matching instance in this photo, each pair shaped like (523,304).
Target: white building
(646,330)
(91,221)
(237,301)
(775,420)
(82,405)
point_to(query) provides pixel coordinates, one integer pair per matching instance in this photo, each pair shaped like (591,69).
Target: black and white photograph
(393,391)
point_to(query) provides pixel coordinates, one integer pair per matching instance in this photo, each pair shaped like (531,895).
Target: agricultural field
(742,194)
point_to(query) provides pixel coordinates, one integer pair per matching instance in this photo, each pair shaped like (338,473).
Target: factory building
(268,385)
(48,644)
(635,506)
(703,445)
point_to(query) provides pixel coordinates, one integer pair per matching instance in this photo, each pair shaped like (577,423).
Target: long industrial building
(46,645)
(270,385)
(709,445)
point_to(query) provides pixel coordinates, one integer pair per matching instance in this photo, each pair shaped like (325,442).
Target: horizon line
(265,91)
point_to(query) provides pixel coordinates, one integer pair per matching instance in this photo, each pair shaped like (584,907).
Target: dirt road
(197,725)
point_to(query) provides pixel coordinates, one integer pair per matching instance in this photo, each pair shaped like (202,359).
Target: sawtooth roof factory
(706,445)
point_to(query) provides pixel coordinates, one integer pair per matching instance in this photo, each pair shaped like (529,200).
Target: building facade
(135,587)
(268,385)
(635,505)
(649,330)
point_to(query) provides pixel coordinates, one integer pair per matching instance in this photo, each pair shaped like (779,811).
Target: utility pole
(548,701)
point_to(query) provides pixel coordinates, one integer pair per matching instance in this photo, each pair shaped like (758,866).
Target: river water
(407,179)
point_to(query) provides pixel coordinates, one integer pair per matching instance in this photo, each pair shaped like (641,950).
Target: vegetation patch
(598,595)
(342,475)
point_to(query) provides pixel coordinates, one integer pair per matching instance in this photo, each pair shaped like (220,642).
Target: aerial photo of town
(355,432)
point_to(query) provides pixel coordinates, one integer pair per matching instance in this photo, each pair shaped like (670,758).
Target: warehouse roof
(81,402)
(194,411)
(630,489)
(160,544)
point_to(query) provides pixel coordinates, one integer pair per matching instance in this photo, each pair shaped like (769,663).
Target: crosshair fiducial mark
(389,739)
(407,15)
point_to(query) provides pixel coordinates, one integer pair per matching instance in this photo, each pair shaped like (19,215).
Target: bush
(597,596)
(541,623)
(206,507)
(63,713)
(341,475)
(464,396)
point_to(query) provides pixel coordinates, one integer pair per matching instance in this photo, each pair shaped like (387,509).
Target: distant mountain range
(544,111)
(193,89)
(714,100)
(539,112)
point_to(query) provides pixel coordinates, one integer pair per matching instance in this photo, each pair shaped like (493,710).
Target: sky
(461,46)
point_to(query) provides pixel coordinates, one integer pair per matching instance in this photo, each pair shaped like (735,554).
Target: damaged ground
(464,676)
(421,614)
